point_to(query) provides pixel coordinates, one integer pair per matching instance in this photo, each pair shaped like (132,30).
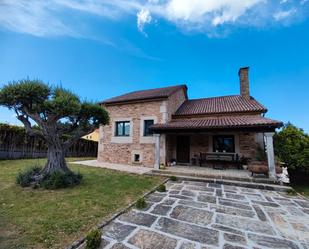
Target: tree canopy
(292,147)
(59,116)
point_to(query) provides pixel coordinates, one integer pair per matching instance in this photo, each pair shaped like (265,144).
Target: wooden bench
(216,157)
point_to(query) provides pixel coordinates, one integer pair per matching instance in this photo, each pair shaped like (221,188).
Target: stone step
(218,177)
(241,183)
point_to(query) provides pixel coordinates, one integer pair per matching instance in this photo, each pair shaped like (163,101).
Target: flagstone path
(207,215)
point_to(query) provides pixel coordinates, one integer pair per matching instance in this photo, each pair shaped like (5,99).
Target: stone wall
(121,150)
(247,144)
(175,101)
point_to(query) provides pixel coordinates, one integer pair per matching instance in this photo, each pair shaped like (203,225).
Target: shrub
(173,178)
(291,192)
(55,180)
(161,188)
(93,239)
(60,179)
(25,178)
(141,203)
(292,147)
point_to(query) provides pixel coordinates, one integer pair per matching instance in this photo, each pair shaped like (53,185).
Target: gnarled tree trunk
(55,160)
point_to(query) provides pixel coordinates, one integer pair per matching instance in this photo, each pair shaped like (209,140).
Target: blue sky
(100,49)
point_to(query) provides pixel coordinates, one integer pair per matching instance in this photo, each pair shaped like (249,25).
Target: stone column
(157,151)
(270,155)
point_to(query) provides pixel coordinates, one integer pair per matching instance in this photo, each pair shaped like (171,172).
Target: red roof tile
(156,93)
(224,104)
(220,122)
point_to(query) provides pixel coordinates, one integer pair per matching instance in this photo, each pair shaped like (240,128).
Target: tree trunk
(55,160)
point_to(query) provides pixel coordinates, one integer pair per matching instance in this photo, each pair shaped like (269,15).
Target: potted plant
(244,161)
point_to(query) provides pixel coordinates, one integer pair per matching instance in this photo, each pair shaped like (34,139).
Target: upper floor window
(122,128)
(147,124)
(223,143)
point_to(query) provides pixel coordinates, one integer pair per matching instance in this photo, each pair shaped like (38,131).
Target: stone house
(162,126)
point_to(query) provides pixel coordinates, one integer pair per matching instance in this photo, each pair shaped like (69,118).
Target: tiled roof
(220,122)
(156,93)
(224,104)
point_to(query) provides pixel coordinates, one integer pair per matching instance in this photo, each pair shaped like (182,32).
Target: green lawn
(53,219)
(302,189)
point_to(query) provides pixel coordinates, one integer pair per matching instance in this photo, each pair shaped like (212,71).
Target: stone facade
(121,150)
(244,82)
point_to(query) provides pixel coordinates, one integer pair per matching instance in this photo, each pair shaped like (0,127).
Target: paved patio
(120,167)
(208,215)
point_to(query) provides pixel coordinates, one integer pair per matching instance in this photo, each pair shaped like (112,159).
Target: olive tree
(55,114)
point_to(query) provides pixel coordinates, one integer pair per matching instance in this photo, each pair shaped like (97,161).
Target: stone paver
(193,215)
(120,167)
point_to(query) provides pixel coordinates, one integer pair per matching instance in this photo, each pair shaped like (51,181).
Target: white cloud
(32,17)
(143,17)
(280,15)
(62,17)
(215,12)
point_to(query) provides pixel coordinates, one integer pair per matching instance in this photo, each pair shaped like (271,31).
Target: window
(122,129)
(223,144)
(147,124)
(136,158)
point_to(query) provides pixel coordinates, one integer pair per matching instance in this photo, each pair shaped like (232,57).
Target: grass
(54,219)
(302,189)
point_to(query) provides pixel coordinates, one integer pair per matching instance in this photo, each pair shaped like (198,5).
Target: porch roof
(241,122)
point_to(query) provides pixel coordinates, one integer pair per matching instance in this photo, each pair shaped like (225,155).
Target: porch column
(270,155)
(157,151)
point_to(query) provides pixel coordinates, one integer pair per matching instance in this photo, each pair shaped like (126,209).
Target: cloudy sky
(102,48)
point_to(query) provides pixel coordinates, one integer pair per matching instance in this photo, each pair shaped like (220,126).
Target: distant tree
(292,147)
(53,113)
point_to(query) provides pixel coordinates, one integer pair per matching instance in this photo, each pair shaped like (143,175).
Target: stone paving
(208,215)
(120,167)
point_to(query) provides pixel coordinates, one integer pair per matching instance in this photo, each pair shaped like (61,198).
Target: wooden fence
(15,144)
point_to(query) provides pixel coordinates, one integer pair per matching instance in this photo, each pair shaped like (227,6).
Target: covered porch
(200,147)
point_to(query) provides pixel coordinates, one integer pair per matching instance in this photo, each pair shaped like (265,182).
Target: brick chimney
(243,74)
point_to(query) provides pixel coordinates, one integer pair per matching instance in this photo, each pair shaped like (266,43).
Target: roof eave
(216,129)
(141,100)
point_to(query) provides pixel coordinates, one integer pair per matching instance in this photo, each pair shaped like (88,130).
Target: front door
(183,149)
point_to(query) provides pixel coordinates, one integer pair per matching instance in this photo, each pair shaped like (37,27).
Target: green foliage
(261,154)
(161,188)
(59,179)
(60,115)
(60,108)
(93,239)
(292,147)
(25,178)
(13,128)
(173,178)
(141,203)
(25,93)
(54,180)
(291,192)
